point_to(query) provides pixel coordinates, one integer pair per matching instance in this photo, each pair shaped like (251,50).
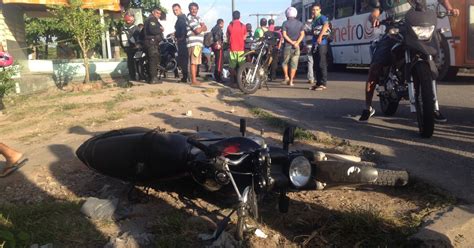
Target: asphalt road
(445,160)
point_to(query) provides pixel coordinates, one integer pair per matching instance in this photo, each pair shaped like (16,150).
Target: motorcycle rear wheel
(424,99)
(244,73)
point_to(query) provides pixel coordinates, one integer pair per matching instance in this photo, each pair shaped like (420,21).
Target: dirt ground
(49,126)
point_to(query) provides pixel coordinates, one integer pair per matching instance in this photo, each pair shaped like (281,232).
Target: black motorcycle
(254,73)
(413,72)
(245,163)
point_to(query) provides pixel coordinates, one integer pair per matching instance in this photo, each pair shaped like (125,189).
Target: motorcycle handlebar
(208,151)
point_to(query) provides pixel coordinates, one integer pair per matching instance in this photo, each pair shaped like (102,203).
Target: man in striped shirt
(196,29)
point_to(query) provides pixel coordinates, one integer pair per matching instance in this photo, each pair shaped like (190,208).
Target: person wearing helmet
(261,30)
(396,10)
(293,33)
(129,37)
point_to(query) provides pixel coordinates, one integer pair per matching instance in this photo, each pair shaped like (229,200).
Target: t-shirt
(259,32)
(318,23)
(194,22)
(236,34)
(293,29)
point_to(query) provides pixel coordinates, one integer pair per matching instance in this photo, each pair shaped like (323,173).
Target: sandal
(7,170)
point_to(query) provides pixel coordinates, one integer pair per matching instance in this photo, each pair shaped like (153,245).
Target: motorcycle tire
(395,178)
(251,212)
(387,106)
(242,74)
(424,99)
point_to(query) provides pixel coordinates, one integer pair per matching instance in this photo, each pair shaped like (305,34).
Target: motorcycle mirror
(243,126)
(197,128)
(262,132)
(288,137)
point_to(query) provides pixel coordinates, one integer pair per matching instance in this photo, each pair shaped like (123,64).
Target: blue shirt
(319,22)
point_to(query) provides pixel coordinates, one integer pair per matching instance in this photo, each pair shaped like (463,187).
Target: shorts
(236,59)
(291,55)
(382,51)
(193,59)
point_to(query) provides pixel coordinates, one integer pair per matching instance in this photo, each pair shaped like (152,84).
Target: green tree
(43,29)
(6,82)
(83,25)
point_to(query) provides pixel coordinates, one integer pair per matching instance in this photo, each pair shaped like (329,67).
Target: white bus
(352,32)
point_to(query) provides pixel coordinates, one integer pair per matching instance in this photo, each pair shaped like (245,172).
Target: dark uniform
(180,35)
(218,39)
(131,34)
(153,36)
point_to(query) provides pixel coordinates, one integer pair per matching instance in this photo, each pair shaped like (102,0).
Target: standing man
(261,30)
(218,39)
(308,41)
(236,34)
(293,33)
(129,38)
(180,35)
(196,28)
(381,57)
(320,27)
(153,36)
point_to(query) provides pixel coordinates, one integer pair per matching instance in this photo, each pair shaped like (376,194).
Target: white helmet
(291,12)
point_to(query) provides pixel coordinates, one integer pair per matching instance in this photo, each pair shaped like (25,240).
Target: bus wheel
(443,61)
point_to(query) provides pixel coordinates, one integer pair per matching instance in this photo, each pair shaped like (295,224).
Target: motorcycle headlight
(300,171)
(423,33)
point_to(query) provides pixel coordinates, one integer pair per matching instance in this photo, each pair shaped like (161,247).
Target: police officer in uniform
(153,36)
(128,39)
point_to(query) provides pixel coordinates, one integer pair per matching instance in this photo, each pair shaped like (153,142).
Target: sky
(211,10)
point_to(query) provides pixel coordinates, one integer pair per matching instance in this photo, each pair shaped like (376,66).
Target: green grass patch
(160,93)
(173,230)
(60,223)
(137,110)
(176,100)
(209,90)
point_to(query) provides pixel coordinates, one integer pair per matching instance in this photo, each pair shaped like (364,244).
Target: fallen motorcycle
(245,163)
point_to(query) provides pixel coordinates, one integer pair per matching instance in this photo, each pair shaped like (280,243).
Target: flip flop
(12,168)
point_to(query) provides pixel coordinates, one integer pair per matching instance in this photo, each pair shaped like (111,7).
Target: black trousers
(132,73)
(320,65)
(274,65)
(218,63)
(183,58)
(153,52)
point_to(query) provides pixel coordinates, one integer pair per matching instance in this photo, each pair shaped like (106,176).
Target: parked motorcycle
(412,75)
(245,163)
(168,53)
(251,75)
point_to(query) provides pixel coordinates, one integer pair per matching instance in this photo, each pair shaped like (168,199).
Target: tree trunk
(86,65)
(2,105)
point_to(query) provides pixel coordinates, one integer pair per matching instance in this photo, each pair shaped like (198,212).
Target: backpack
(208,40)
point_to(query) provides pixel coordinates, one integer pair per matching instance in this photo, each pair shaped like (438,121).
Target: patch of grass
(60,223)
(367,228)
(159,93)
(123,97)
(137,110)
(209,90)
(70,106)
(176,100)
(302,134)
(174,230)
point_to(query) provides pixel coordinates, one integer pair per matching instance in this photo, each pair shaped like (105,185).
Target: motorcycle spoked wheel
(389,106)
(245,212)
(244,74)
(424,99)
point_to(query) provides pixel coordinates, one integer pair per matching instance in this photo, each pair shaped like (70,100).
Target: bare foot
(14,158)
(196,83)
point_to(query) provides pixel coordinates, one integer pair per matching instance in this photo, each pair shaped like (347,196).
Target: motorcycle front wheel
(424,99)
(246,211)
(388,106)
(244,78)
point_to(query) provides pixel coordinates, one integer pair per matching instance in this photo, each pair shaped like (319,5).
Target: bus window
(363,6)
(327,8)
(344,8)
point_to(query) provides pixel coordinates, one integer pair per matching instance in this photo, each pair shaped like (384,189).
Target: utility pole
(258,17)
(233,6)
